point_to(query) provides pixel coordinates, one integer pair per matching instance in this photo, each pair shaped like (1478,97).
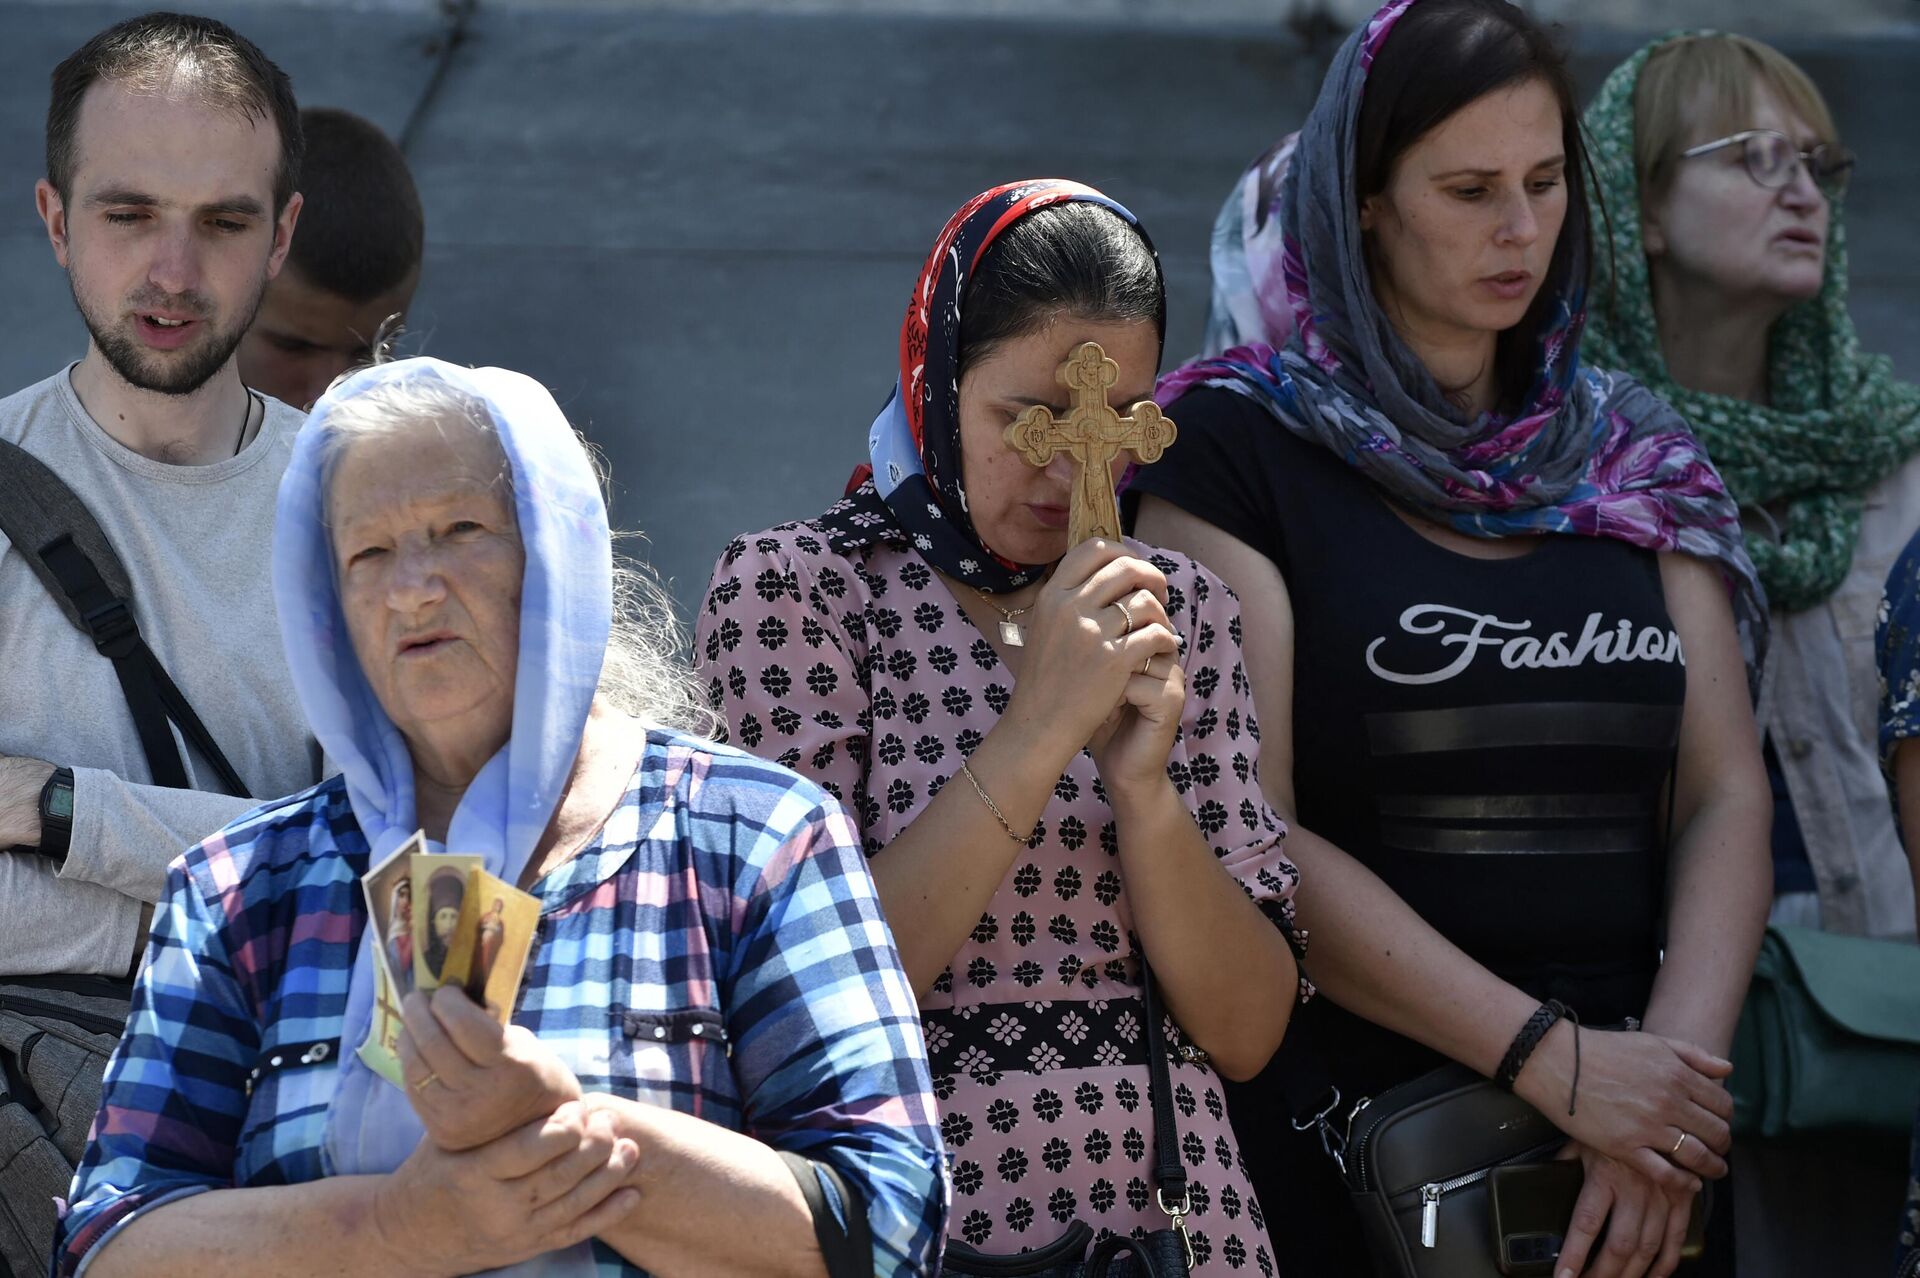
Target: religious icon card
(494,938)
(389,890)
(381,1051)
(439,895)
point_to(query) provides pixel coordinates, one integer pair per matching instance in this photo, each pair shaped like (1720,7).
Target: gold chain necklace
(1012,634)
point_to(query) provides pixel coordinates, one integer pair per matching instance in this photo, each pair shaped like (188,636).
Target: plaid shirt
(724,891)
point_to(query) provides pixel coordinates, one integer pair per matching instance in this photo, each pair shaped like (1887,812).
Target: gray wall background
(699,226)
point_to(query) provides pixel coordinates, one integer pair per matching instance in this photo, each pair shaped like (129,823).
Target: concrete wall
(700,229)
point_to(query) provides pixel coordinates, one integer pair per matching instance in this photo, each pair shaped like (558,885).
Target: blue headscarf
(566,611)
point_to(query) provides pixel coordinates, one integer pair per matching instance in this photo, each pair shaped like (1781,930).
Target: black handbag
(1162,1253)
(1416,1159)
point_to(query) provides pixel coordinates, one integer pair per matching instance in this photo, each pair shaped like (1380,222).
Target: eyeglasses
(1771,159)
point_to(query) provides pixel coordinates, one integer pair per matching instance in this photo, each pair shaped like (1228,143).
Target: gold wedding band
(1127,613)
(426,1082)
(1677,1144)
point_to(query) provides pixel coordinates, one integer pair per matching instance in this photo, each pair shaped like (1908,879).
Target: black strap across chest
(62,543)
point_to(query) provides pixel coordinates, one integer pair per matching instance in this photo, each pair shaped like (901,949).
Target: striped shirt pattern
(724,892)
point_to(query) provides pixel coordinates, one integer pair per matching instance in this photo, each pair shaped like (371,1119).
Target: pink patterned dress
(861,671)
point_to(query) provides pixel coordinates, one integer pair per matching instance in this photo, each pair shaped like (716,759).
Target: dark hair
(1079,258)
(1442,56)
(360,226)
(228,70)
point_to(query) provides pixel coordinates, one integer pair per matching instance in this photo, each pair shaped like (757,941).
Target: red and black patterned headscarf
(911,486)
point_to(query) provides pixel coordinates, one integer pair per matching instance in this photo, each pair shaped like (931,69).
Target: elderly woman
(1723,174)
(715,1027)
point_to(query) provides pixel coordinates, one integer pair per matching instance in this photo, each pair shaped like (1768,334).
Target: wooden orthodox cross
(1093,434)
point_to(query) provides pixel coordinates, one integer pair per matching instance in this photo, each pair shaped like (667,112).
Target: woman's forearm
(938,875)
(1721,884)
(1224,968)
(323,1229)
(1376,957)
(1719,875)
(712,1201)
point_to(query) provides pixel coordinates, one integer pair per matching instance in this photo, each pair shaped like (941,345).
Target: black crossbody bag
(1417,1159)
(1162,1253)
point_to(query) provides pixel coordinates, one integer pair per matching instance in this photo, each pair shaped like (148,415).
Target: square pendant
(1011,635)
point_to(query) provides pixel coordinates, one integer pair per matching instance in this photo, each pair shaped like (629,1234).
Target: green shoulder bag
(1829,1036)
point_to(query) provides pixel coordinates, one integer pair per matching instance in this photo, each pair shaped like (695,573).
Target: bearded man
(173,154)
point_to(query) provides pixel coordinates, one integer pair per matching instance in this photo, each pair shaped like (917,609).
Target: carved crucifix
(1093,434)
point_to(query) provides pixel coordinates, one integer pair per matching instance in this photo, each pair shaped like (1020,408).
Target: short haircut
(361,229)
(1697,87)
(157,49)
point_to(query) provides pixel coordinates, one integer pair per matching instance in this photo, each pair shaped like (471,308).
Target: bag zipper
(1357,1142)
(1430,1195)
(89,1021)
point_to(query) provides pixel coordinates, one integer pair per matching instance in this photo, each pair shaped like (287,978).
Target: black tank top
(1490,737)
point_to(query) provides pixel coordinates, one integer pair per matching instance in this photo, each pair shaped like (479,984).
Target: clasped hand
(1651,1118)
(1101,665)
(515,1162)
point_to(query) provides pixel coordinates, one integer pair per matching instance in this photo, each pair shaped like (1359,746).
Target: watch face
(60,803)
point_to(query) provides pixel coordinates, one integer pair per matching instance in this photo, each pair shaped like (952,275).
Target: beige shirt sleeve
(125,835)
(96,931)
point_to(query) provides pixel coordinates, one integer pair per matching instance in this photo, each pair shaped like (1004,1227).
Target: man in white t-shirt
(173,150)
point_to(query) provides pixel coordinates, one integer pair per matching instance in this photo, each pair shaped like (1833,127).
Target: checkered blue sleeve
(828,1048)
(174,1094)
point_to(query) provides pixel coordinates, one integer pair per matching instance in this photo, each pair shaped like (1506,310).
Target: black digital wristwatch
(56,815)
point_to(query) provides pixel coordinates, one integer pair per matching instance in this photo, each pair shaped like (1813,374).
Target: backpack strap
(62,543)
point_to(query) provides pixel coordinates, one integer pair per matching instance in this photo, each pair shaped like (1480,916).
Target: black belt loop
(292,1056)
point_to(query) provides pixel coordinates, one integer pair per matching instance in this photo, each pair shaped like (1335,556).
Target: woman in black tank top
(1472,731)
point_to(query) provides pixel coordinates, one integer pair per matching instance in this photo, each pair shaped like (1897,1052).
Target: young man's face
(305,336)
(168,234)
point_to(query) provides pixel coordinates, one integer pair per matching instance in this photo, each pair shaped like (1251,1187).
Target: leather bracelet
(1542,1020)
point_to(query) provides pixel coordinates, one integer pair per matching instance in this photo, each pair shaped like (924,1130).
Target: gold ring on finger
(1677,1144)
(1127,613)
(426,1082)
(1146,667)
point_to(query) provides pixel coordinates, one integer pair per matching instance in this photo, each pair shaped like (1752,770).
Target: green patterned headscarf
(1839,420)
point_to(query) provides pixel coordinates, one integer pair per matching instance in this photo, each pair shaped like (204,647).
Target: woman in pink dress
(1051,752)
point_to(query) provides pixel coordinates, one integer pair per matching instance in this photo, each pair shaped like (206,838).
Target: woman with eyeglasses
(1722,175)
(1723,178)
